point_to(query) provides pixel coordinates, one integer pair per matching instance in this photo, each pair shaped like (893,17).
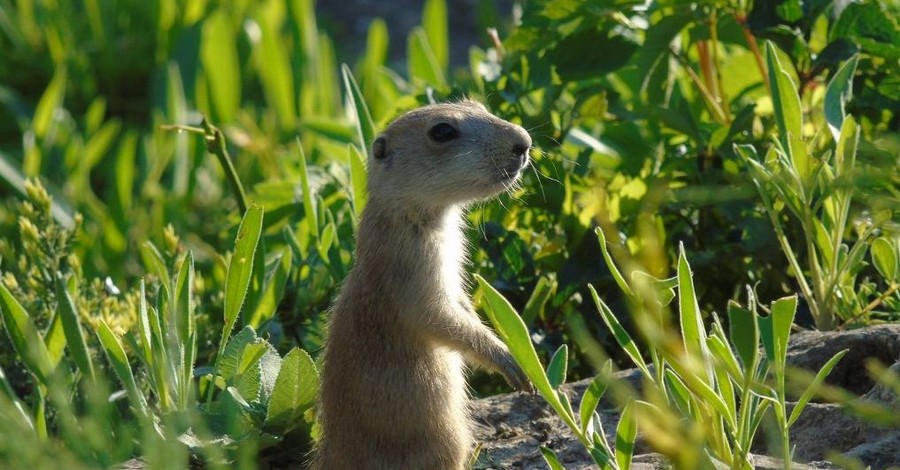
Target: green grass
(181,183)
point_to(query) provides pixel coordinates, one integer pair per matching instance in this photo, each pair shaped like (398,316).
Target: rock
(512,427)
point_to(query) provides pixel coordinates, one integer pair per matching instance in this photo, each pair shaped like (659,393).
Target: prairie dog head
(445,154)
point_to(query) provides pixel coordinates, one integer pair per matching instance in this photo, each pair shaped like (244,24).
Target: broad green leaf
(559,363)
(364,124)
(744,334)
(434,22)
(295,390)
(622,336)
(514,333)
(24,336)
(590,399)
(221,65)
(247,378)
(119,361)
(72,328)
(241,266)
(817,381)
(551,459)
(626,433)
(884,257)
(620,280)
(274,291)
(309,203)
(838,94)
(358,179)
(229,361)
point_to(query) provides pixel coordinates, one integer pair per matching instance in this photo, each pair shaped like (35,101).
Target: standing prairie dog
(393,388)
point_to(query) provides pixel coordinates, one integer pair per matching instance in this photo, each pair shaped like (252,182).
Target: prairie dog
(393,390)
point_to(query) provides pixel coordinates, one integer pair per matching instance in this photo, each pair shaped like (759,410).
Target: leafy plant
(586,426)
(719,382)
(818,192)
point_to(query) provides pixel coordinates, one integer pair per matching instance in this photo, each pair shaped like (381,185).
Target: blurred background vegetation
(637,109)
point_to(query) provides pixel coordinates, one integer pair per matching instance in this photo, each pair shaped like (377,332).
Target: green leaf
(271,297)
(838,94)
(434,22)
(421,61)
(51,100)
(551,459)
(691,321)
(155,263)
(744,334)
(295,390)
(590,399)
(620,280)
(845,152)
(184,305)
(229,362)
(559,363)
(241,266)
(884,257)
(24,336)
(534,308)
(358,179)
(626,433)
(309,203)
(72,328)
(273,63)
(783,311)
(514,333)
(116,355)
(145,332)
(55,341)
(817,381)
(788,114)
(622,336)
(364,124)
(219,56)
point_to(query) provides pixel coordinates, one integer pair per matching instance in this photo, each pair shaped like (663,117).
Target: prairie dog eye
(443,132)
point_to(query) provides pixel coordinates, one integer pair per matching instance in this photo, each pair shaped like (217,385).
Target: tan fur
(393,388)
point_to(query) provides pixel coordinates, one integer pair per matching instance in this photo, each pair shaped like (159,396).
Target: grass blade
(818,380)
(119,361)
(622,336)
(72,328)
(364,124)
(219,57)
(358,179)
(24,336)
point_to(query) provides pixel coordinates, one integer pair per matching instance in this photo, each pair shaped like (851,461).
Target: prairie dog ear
(379,148)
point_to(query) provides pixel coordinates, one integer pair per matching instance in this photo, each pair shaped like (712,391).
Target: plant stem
(709,99)
(720,88)
(741,19)
(874,303)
